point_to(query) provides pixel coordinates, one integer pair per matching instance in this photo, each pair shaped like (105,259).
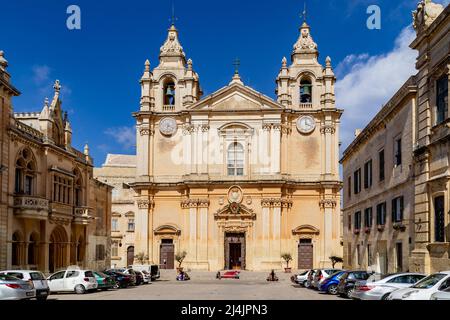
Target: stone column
(204,148)
(142,223)
(276,231)
(193,232)
(265,235)
(328,131)
(187,148)
(276,148)
(328,206)
(143,143)
(202,237)
(265,149)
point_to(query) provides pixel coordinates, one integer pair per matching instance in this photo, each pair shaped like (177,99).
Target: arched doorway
(130,256)
(306,234)
(57,249)
(33,249)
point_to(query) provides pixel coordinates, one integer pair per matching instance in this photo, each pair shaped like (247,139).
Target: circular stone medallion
(168,126)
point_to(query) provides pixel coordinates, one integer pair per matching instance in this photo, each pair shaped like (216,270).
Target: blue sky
(100,65)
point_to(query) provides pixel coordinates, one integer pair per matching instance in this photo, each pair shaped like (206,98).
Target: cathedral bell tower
(173,84)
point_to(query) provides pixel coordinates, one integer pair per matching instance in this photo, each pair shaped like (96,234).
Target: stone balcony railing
(31,207)
(81,215)
(168,107)
(305,106)
(28,130)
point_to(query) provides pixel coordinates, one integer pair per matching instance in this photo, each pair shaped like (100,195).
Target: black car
(128,272)
(348,280)
(122,280)
(154,272)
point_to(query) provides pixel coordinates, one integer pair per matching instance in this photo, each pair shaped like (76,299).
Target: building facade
(119,171)
(432,148)
(378,212)
(236,178)
(54,213)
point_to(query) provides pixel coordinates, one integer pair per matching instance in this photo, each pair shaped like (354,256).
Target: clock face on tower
(306,124)
(168,126)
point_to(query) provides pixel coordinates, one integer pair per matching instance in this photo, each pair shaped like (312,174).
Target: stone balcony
(168,107)
(61,212)
(30,207)
(81,215)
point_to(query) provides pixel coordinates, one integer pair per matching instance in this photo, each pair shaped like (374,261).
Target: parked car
(300,278)
(152,269)
(142,279)
(38,279)
(321,275)
(443,292)
(310,278)
(12,288)
(104,281)
(147,277)
(121,279)
(424,289)
(374,289)
(72,280)
(330,284)
(348,280)
(129,272)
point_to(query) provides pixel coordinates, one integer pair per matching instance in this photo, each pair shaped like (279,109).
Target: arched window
(78,188)
(305,91)
(32,250)
(235,162)
(169,93)
(25,172)
(15,258)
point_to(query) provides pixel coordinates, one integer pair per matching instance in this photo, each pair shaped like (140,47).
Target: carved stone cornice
(145,203)
(327,203)
(195,203)
(328,129)
(276,203)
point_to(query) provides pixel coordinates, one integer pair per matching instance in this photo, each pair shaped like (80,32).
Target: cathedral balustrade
(305,106)
(168,107)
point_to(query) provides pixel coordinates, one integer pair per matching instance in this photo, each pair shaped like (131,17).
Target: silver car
(321,275)
(38,279)
(12,288)
(379,289)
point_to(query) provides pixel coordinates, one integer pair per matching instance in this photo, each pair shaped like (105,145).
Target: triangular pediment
(236,97)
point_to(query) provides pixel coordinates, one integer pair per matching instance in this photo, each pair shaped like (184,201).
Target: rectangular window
(349,222)
(369,255)
(399,256)
(381,214)
(398,152)
(381,165)
(62,188)
(441,99)
(114,249)
(368,218)
(397,209)
(349,187)
(368,174)
(357,220)
(439,219)
(115,225)
(357,181)
(130,224)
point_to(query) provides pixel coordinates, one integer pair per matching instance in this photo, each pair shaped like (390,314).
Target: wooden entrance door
(305,254)
(167,254)
(130,256)
(234,251)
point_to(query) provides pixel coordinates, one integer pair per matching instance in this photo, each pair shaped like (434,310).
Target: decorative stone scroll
(327,203)
(328,129)
(276,202)
(145,204)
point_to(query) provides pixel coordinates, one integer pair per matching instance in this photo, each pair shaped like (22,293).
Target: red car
(228,275)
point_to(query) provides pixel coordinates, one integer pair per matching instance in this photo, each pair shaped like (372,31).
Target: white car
(36,277)
(443,292)
(423,289)
(72,280)
(300,278)
(379,289)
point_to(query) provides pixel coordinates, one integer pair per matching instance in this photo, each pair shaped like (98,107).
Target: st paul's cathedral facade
(235,179)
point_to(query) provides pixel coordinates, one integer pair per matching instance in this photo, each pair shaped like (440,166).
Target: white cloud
(371,81)
(41,74)
(125,136)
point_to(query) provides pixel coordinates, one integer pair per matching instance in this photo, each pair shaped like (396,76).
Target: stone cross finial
(328,61)
(57,86)
(147,65)
(284,62)
(189,63)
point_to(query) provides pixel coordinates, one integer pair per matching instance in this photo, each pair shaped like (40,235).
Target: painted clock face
(306,124)
(168,126)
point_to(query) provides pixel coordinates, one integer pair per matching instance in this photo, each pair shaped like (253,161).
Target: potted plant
(141,257)
(180,257)
(336,259)
(287,257)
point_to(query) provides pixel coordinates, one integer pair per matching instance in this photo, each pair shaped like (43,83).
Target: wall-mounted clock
(306,124)
(168,126)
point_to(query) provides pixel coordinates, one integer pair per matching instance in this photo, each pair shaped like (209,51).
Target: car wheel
(349,292)
(385,296)
(116,285)
(332,289)
(80,289)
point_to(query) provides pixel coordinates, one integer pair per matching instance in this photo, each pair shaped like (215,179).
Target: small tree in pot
(336,259)
(287,257)
(141,257)
(180,257)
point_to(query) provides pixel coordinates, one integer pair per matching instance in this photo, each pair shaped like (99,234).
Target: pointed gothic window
(305,91)
(235,162)
(78,187)
(25,172)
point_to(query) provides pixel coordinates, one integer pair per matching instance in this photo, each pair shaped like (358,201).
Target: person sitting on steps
(272,276)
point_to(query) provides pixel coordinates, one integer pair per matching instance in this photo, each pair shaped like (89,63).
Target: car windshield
(89,274)
(337,274)
(429,281)
(16,274)
(361,275)
(36,276)
(303,273)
